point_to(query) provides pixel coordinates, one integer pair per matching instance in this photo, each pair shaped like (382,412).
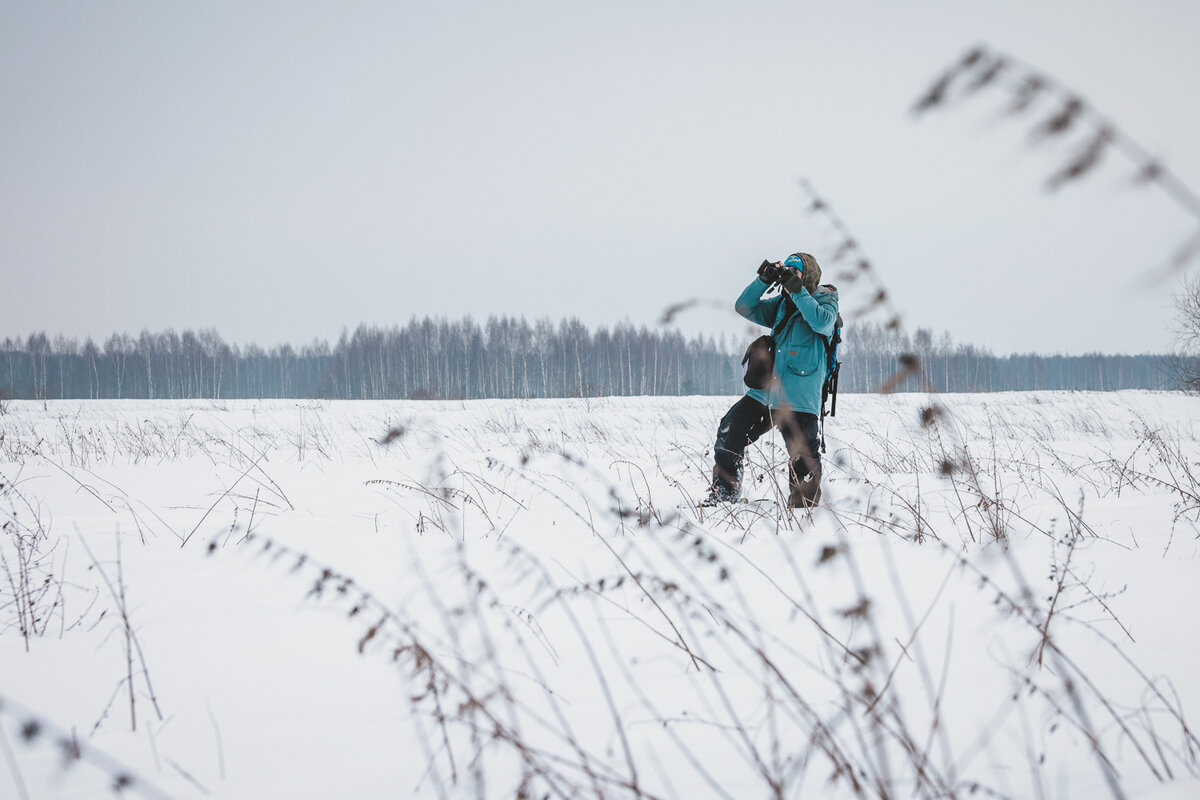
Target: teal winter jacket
(799,344)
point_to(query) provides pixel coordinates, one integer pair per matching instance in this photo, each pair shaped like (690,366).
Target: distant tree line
(509,357)
(871,355)
(427,358)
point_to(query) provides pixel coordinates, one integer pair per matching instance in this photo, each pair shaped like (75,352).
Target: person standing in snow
(801,319)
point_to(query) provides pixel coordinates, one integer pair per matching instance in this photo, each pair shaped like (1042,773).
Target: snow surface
(521,599)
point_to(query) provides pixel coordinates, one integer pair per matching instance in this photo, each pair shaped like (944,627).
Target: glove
(794,280)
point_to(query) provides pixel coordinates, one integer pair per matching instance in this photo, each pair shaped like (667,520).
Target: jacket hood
(826,293)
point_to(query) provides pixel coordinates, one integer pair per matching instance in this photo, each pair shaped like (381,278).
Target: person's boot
(806,494)
(721,491)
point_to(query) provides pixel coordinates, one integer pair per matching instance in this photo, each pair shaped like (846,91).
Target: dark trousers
(749,419)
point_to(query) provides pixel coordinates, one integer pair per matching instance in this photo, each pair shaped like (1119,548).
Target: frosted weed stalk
(782,652)
(134,655)
(982,68)
(33,594)
(32,731)
(1160,461)
(484,731)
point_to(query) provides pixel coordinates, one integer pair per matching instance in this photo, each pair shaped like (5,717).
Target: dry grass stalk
(133,647)
(34,731)
(983,67)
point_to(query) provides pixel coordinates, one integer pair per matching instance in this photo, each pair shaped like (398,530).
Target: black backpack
(832,367)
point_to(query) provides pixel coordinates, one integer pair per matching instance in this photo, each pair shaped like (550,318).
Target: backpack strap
(790,306)
(830,385)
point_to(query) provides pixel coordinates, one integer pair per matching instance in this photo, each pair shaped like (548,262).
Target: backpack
(832,367)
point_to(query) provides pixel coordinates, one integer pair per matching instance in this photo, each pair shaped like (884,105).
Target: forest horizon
(509,357)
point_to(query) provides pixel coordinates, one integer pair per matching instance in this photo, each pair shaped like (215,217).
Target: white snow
(539,608)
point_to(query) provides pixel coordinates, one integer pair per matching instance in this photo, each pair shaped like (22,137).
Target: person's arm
(751,305)
(820,317)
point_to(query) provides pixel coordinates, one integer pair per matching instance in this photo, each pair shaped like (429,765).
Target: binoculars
(787,277)
(774,272)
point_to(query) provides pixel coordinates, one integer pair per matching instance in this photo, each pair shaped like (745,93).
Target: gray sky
(279,171)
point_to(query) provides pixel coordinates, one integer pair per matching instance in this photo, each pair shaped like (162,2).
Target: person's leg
(802,436)
(742,424)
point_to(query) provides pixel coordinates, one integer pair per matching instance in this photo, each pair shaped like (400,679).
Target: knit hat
(812,270)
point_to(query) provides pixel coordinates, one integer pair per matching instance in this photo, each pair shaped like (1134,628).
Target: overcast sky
(280,171)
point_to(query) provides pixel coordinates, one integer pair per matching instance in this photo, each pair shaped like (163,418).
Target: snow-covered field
(502,599)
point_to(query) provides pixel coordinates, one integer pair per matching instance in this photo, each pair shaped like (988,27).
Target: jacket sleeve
(819,316)
(751,305)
